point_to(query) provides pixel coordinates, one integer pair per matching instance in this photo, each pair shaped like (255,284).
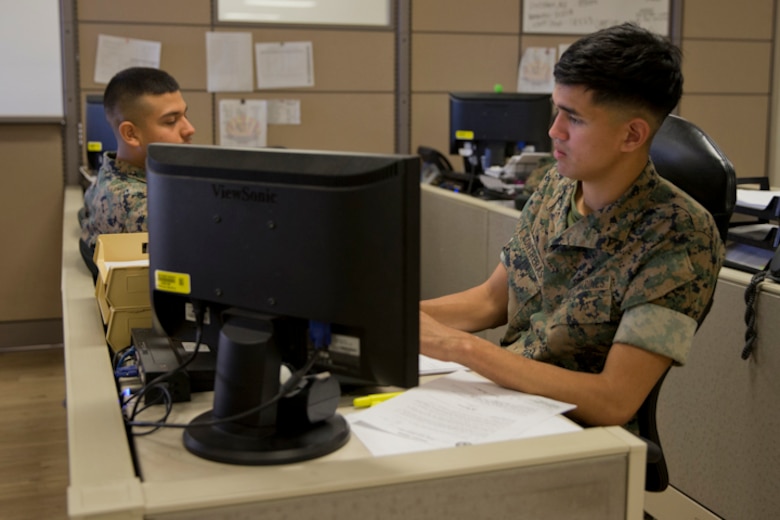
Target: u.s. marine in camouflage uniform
(610,268)
(639,271)
(116,202)
(143,105)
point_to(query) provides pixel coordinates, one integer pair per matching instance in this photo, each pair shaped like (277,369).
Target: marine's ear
(638,133)
(129,133)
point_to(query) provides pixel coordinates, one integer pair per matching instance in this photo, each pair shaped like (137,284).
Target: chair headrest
(685,155)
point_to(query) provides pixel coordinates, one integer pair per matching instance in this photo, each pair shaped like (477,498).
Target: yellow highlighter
(372,399)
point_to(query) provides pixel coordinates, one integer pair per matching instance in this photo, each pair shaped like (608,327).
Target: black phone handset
(772,273)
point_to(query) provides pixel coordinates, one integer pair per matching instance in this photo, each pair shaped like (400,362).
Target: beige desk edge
(102,478)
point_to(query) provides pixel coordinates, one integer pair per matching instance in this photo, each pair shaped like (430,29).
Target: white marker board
(586,16)
(30,61)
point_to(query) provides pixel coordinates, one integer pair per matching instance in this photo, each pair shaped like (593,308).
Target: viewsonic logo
(247,194)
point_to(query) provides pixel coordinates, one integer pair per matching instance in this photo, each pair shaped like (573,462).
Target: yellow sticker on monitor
(464,135)
(172,282)
(94,146)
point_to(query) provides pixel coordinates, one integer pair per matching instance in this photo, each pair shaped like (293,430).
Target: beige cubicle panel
(727,62)
(31,197)
(443,63)
(747,20)
(430,124)
(351,106)
(719,67)
(460,242)
(447,62)
(737,123)
(370,127)
(146,11)
(466,16)
(344,61)
(458,45)
(183,52)
(717,415)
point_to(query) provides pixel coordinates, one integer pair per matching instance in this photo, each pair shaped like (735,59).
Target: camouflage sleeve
(670,296)
(657,329)
(681,277)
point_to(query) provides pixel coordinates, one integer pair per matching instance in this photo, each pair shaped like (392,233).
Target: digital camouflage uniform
(639,271)
(116,202)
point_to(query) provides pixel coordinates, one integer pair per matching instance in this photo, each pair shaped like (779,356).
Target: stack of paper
(756,199)
(459,409)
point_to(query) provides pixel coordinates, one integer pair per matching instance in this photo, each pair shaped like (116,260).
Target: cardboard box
(122,285)
(122,322)
(123,278)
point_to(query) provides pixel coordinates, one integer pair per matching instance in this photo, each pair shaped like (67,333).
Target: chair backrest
(690,159)
(685,155)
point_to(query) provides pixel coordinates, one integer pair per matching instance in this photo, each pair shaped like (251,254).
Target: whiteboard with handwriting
(586,16)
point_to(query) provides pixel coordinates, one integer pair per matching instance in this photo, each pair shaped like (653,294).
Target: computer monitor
(99,136)
(489,127)
(280,250)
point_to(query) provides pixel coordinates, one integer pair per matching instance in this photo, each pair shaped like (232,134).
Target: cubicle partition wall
(350,107)
(465,45)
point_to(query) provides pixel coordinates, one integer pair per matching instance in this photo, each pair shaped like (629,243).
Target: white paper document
(459,409)
(756,199)
(284,64)
(284,112)
(242,122)
(229,61)
(536,70)
(429,366)
(119,264)
(115,53)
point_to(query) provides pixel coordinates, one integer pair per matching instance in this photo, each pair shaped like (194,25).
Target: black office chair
(686,156)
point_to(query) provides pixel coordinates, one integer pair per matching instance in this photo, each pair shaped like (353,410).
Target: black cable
(293,381)
(199,318)
(166,396)
(751,300)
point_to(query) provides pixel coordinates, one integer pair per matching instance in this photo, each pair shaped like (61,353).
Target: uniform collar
(605,229)
(123,167)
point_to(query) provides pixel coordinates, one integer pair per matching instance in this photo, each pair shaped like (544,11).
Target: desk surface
(598,470)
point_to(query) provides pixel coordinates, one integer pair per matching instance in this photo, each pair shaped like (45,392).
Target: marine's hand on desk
(440,341)
(608,398)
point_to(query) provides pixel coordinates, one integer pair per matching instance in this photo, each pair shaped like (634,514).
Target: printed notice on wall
(229,61)
(115,53)
(242,122)
(284,64)
(585,16)
(284,112)
(536,70)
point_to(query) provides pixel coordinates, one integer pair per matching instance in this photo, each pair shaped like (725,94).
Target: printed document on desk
(429,366)
(459,409)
